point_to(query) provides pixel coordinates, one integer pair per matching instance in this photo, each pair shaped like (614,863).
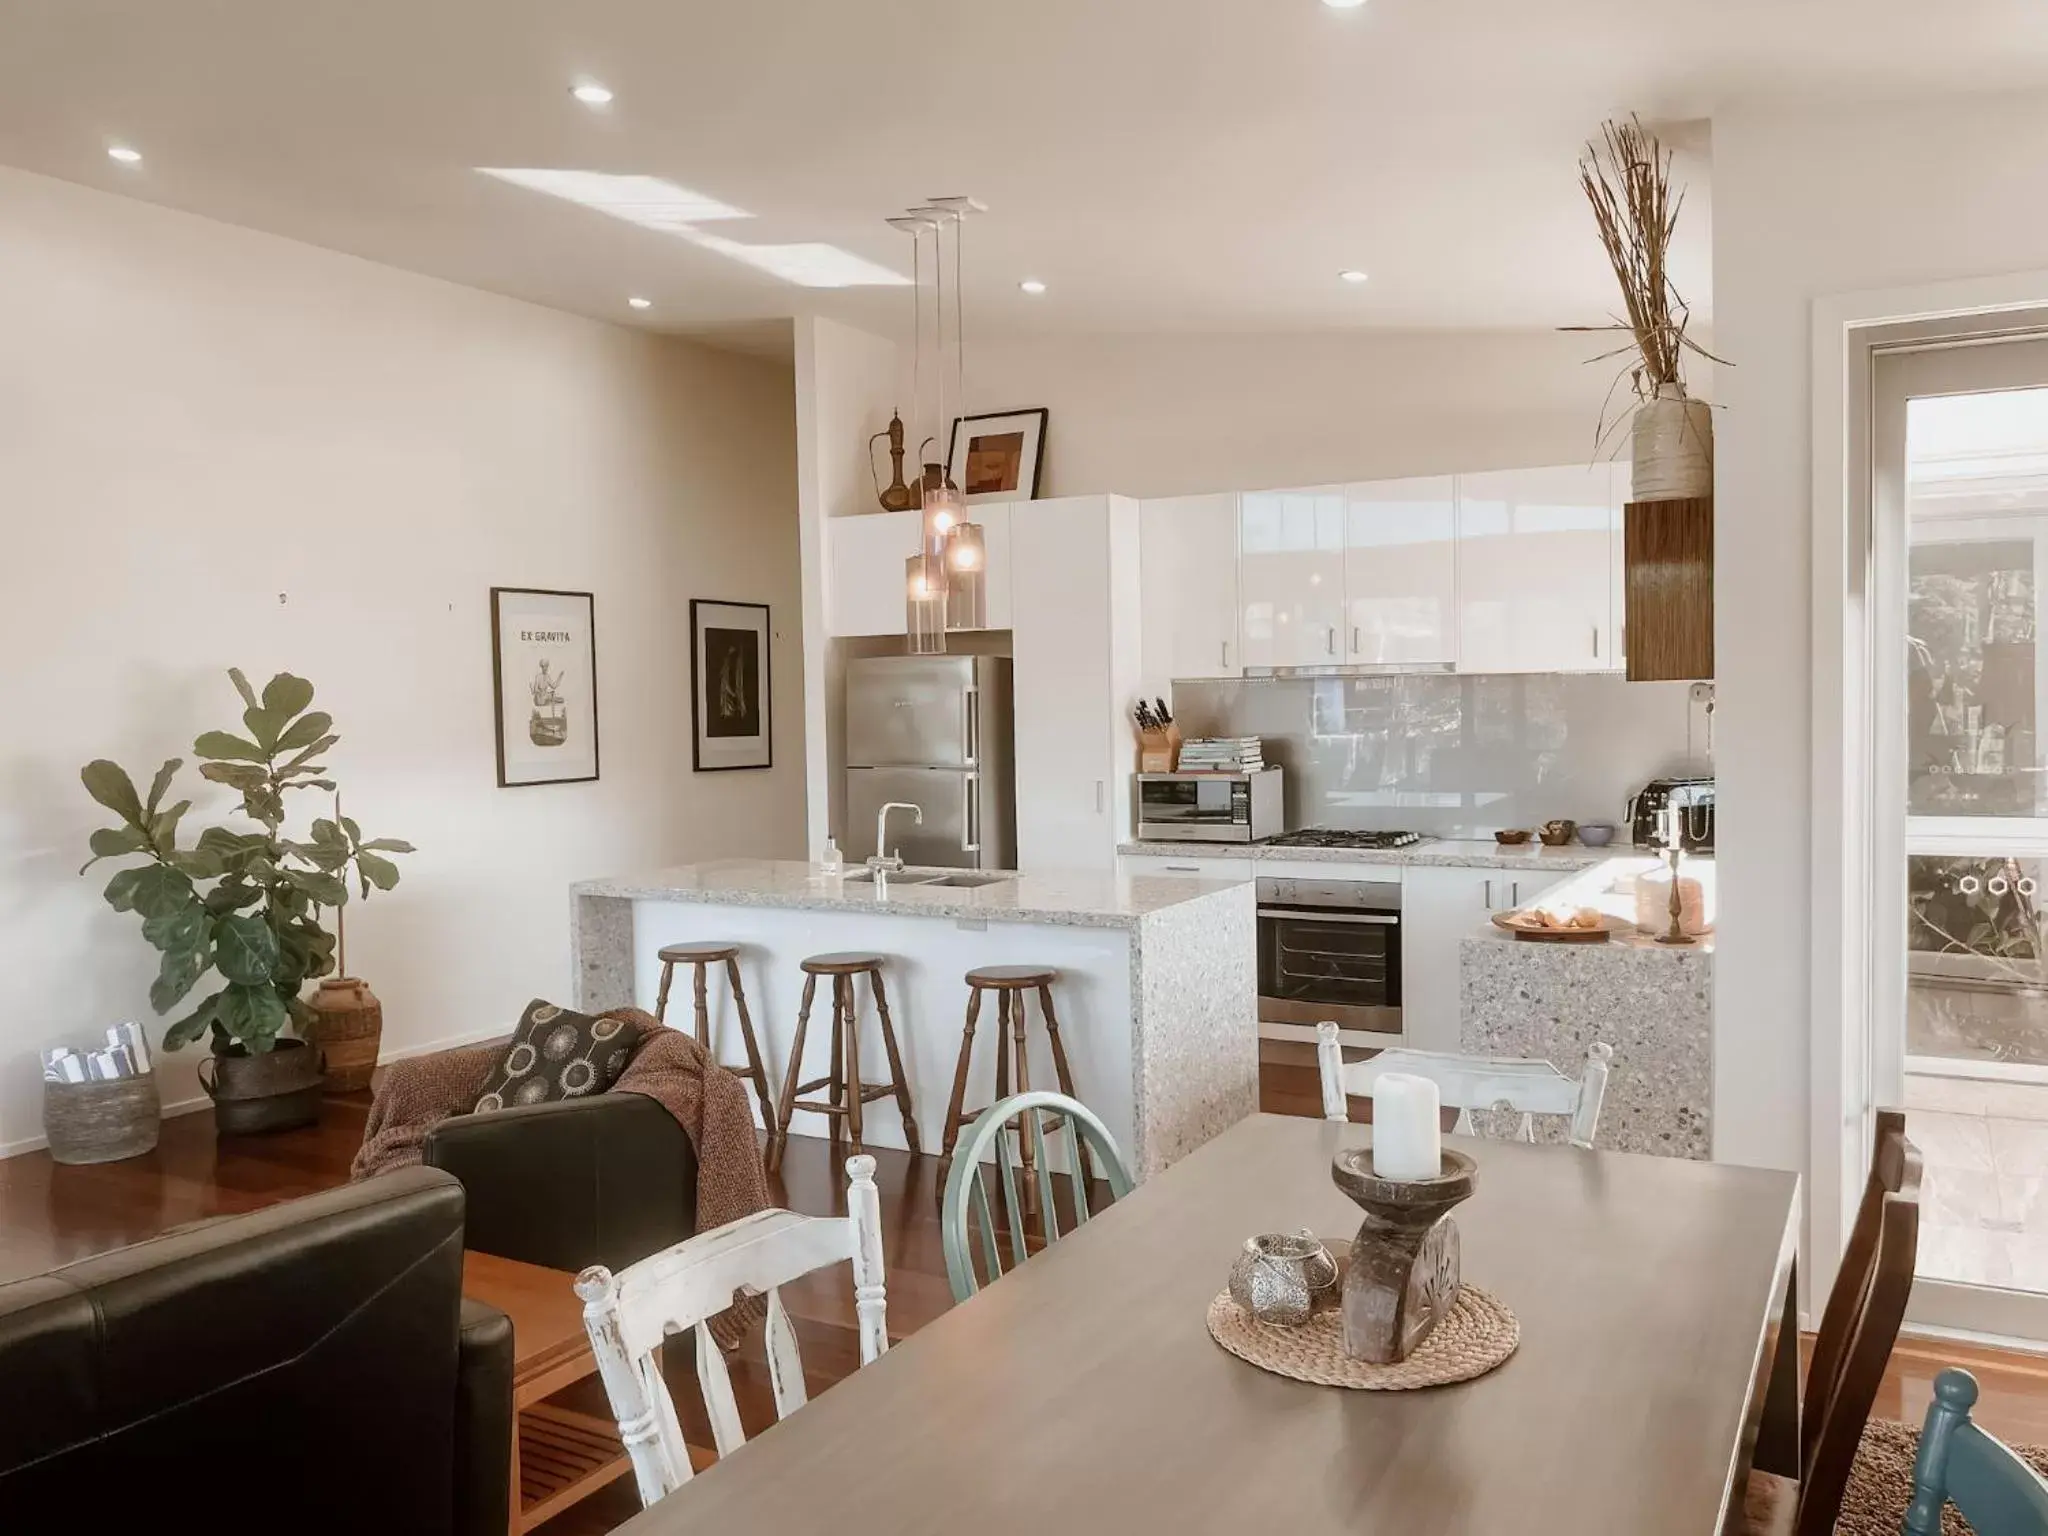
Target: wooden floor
(50,1215)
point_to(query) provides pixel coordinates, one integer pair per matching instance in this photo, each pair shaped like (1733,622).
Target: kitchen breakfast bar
(1156,992)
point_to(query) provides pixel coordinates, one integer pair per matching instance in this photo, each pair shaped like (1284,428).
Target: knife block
(1159,750)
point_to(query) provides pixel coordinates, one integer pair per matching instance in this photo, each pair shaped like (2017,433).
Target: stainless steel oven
(1330,949)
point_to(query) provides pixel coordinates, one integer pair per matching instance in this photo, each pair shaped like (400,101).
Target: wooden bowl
(1513,839)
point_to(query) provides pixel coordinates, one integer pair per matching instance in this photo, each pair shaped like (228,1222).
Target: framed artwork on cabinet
(998,456)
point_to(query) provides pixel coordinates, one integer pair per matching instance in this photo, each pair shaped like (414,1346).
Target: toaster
(1694,800)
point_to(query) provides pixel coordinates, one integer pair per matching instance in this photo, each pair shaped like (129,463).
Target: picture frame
(998,456)
(544,685)
(732,698)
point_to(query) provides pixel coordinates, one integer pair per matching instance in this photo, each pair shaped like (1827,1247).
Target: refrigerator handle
(971,734)
(970,835)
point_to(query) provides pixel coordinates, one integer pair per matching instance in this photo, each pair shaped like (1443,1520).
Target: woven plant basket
(1671,448)
(101,1122)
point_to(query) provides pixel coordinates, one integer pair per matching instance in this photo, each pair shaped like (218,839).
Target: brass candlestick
(1668,827)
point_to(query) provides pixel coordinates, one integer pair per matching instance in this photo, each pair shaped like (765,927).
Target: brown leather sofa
(311,1367)
(606,1179)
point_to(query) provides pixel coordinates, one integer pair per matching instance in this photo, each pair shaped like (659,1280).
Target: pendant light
(924,572)
(966,551)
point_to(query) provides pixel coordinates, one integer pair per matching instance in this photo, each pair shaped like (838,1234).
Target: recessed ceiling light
(1343,5)
(1032,285)
(124,154)
(639,303)
(591,94)
(1352,275)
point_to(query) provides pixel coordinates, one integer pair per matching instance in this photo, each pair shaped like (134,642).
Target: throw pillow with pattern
(558,1054)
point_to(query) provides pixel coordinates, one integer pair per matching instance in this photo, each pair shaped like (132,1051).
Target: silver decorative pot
(1284,1278)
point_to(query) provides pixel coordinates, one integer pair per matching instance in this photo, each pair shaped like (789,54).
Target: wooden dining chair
(1959,1464)
(685,1286)
(966,1199)
(1471,1083)
(1858,1328)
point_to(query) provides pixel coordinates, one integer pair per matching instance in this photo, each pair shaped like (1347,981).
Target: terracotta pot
(1671,448)
(278,1090)
(348,1031)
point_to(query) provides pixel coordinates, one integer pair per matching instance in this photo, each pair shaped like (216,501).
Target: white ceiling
(1163,165)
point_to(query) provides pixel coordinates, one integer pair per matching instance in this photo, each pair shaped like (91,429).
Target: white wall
(219,448)
(1811,203)
(1166,416)
(845,389)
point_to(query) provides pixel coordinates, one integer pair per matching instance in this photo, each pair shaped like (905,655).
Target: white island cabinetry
(1156,988)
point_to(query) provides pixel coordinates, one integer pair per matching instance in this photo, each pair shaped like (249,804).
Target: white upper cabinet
(1535,567)
(1291,576)
(865,558)
(864,572)
(1401,572)
(1188,560)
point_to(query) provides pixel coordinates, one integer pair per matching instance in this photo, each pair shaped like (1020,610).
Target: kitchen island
(1654,1004)
(1157,992)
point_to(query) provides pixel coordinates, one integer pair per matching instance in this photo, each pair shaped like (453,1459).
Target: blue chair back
(1959,1464)
(966,1211)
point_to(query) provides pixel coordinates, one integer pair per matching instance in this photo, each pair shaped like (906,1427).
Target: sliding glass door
(1959,779)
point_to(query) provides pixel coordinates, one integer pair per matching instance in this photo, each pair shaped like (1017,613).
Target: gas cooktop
(1339,837)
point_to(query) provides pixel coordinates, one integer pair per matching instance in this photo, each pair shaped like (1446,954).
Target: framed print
(997,457)
(730,700)
(544,675)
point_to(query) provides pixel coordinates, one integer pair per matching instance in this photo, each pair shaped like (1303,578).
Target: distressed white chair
(628,1314)
(1468,1083)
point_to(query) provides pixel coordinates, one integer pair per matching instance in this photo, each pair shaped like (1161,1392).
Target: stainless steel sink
(968,880)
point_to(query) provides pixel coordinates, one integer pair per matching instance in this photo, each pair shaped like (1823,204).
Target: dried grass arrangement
(1626,176)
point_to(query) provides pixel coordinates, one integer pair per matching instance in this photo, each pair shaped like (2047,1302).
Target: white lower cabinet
(1191,866)
(1440,908)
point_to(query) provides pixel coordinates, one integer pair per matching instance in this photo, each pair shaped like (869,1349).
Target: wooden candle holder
(1403,1274)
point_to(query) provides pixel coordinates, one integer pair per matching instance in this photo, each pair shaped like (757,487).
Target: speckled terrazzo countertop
(1076,899)
(1454,853)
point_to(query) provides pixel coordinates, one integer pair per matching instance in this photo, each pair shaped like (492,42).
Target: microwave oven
(1209,807)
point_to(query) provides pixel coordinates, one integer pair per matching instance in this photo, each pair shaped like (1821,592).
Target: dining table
(1081,1393)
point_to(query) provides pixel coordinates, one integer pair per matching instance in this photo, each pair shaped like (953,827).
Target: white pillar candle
(1407,1140)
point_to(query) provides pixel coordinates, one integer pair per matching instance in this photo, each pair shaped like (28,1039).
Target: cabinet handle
(1098,795)
(1355,646)
(1596,642)
(1489,896)
(1224,647)
(1515,893)
(1185,869)
(1330,640)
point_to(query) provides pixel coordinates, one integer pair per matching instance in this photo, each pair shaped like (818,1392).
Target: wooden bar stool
(1010,983)
(846,1092)
(700,957)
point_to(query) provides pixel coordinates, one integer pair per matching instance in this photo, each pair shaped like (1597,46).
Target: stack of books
(1222,754)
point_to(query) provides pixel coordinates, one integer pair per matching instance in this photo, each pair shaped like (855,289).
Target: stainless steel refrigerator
(934,732)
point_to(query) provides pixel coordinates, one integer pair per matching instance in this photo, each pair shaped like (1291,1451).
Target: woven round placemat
(1476,1335)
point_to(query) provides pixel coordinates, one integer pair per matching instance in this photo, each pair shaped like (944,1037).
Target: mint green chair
(965,1210)
(1959,1464)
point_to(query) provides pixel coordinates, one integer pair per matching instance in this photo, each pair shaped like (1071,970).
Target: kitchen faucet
(883,862)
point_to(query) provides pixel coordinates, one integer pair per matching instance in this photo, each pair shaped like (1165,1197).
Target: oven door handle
(1375,919)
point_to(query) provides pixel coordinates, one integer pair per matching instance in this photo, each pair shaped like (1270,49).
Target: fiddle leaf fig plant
(243,905)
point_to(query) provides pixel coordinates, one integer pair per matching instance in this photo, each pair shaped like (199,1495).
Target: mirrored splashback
(1457,756)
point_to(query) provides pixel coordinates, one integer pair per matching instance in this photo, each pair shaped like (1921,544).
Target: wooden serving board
(1608,925)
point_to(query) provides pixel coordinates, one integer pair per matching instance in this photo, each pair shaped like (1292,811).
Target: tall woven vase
(1671,448)
(349,1029)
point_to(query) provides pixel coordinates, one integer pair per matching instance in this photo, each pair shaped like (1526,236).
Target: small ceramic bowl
(1512,839)
(1596,834)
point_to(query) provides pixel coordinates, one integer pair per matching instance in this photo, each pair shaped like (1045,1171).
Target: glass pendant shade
(966,578)
(924,605)
(943,512)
